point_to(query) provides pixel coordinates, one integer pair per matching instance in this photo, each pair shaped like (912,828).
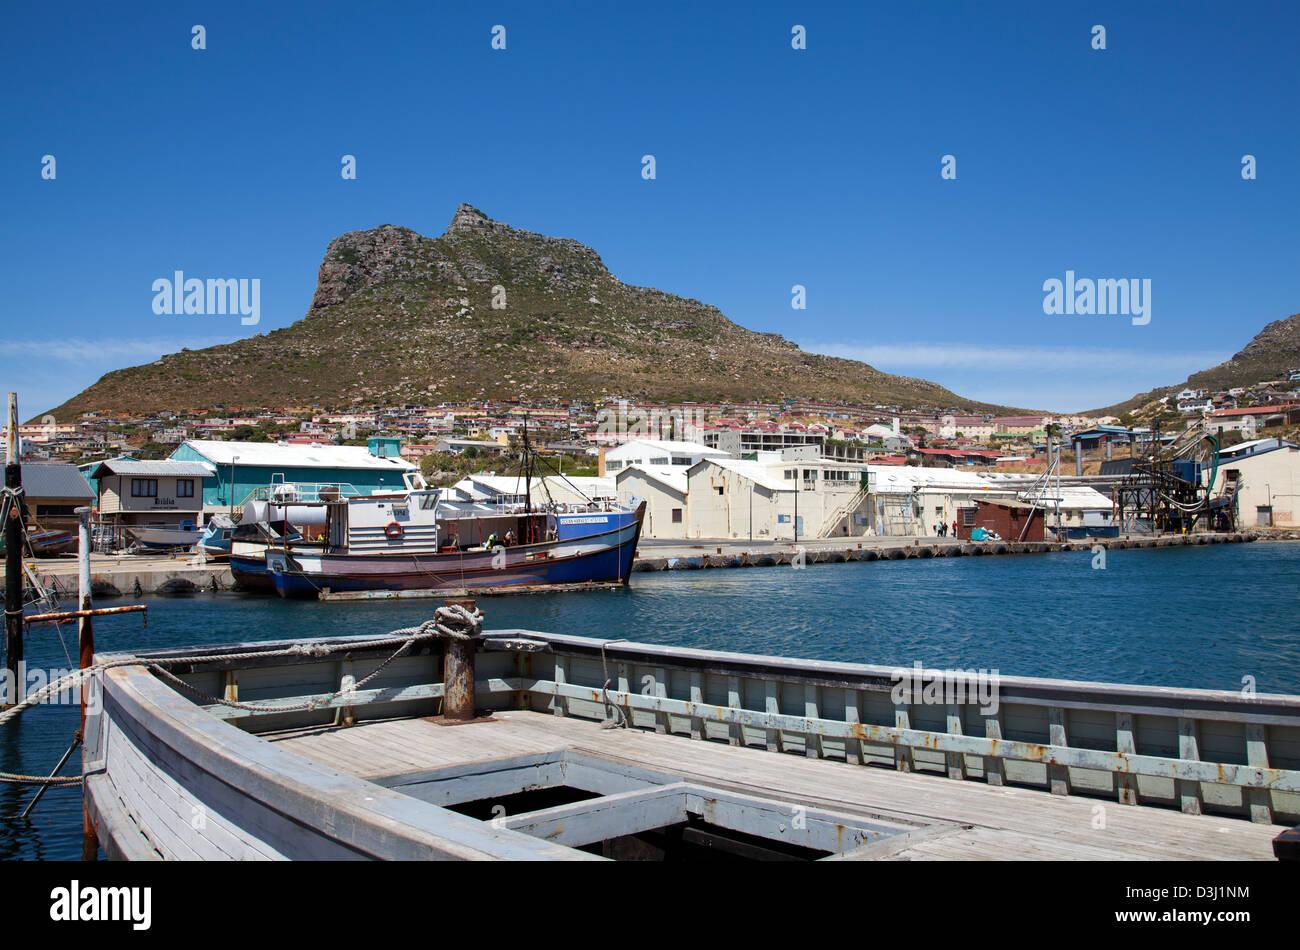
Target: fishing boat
(217,538)
(423,539)
(44,543)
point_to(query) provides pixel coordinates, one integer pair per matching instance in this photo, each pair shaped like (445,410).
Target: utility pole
(13,559)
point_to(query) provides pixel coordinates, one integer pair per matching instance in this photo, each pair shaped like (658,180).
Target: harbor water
(1217,617)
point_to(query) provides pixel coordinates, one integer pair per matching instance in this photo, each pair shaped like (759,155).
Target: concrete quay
(127,576)
(700,553)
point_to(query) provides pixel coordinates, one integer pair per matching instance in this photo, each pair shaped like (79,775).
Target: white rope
(458,622)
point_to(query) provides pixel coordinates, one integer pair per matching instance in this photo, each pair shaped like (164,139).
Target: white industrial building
(663,489)
(910,500)
(1268,474)
(769,499)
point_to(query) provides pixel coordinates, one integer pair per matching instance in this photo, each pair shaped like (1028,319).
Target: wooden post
(458,674)
(86,657)
(13,563)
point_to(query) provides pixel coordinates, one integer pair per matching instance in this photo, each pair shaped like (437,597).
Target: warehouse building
(1268,476)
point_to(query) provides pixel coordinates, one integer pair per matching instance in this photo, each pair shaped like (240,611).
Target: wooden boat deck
(952,819)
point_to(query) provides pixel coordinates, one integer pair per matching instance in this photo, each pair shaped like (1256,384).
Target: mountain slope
(398,317)
(1271,353)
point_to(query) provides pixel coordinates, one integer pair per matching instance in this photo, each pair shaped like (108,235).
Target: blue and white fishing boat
(217,538)
(309,544)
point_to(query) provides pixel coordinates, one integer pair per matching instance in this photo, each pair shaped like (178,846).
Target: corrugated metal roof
(273,454)
(673,476)
(164,467)
(55,480)
(757,472)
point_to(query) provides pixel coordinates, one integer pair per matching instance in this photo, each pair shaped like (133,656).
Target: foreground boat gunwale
(836,672)
(357,815)
(535,672)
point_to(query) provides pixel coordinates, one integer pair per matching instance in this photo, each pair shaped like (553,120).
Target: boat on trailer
(449,741)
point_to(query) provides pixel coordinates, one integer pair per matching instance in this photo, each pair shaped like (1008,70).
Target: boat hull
(303,571)
(160,538)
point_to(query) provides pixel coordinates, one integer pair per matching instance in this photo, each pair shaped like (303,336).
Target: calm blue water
(1192,617)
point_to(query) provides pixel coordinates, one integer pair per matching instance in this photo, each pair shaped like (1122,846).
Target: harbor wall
(126,577)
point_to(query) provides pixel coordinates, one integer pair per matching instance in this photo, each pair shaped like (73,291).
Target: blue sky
(775,167)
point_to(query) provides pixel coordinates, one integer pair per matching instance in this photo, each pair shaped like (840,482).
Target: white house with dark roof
(160,493)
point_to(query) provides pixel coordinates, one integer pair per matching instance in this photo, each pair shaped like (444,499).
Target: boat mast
(528,468)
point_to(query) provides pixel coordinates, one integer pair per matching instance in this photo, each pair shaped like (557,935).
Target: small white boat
(162,537)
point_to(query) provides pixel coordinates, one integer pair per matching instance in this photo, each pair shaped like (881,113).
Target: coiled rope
(455,622)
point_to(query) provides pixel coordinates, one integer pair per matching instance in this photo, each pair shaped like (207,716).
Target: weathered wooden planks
(1016,822)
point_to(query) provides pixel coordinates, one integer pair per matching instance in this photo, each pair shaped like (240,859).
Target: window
(144,488)
(790,474)
(681,460)
(659,461)
(719,489)
(184,488)
(968,516)
(677,516)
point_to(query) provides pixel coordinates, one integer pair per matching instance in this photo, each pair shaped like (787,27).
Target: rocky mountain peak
(469,218)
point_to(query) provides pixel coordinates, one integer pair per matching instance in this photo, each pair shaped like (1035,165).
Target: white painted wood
(1058,776)
(772,703)
(277,799)
(812,747)
(995,772)
(903,761)
(955,761)
(852,747)
(1259,799)
(1020,822)
(735,733)
(697,696)
(663,724)
(559,705)
(1126,787)
(1189,793)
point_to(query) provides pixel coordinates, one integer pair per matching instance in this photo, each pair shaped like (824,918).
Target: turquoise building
(239,469)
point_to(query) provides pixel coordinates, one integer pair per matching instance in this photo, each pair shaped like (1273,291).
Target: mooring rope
(454,621)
